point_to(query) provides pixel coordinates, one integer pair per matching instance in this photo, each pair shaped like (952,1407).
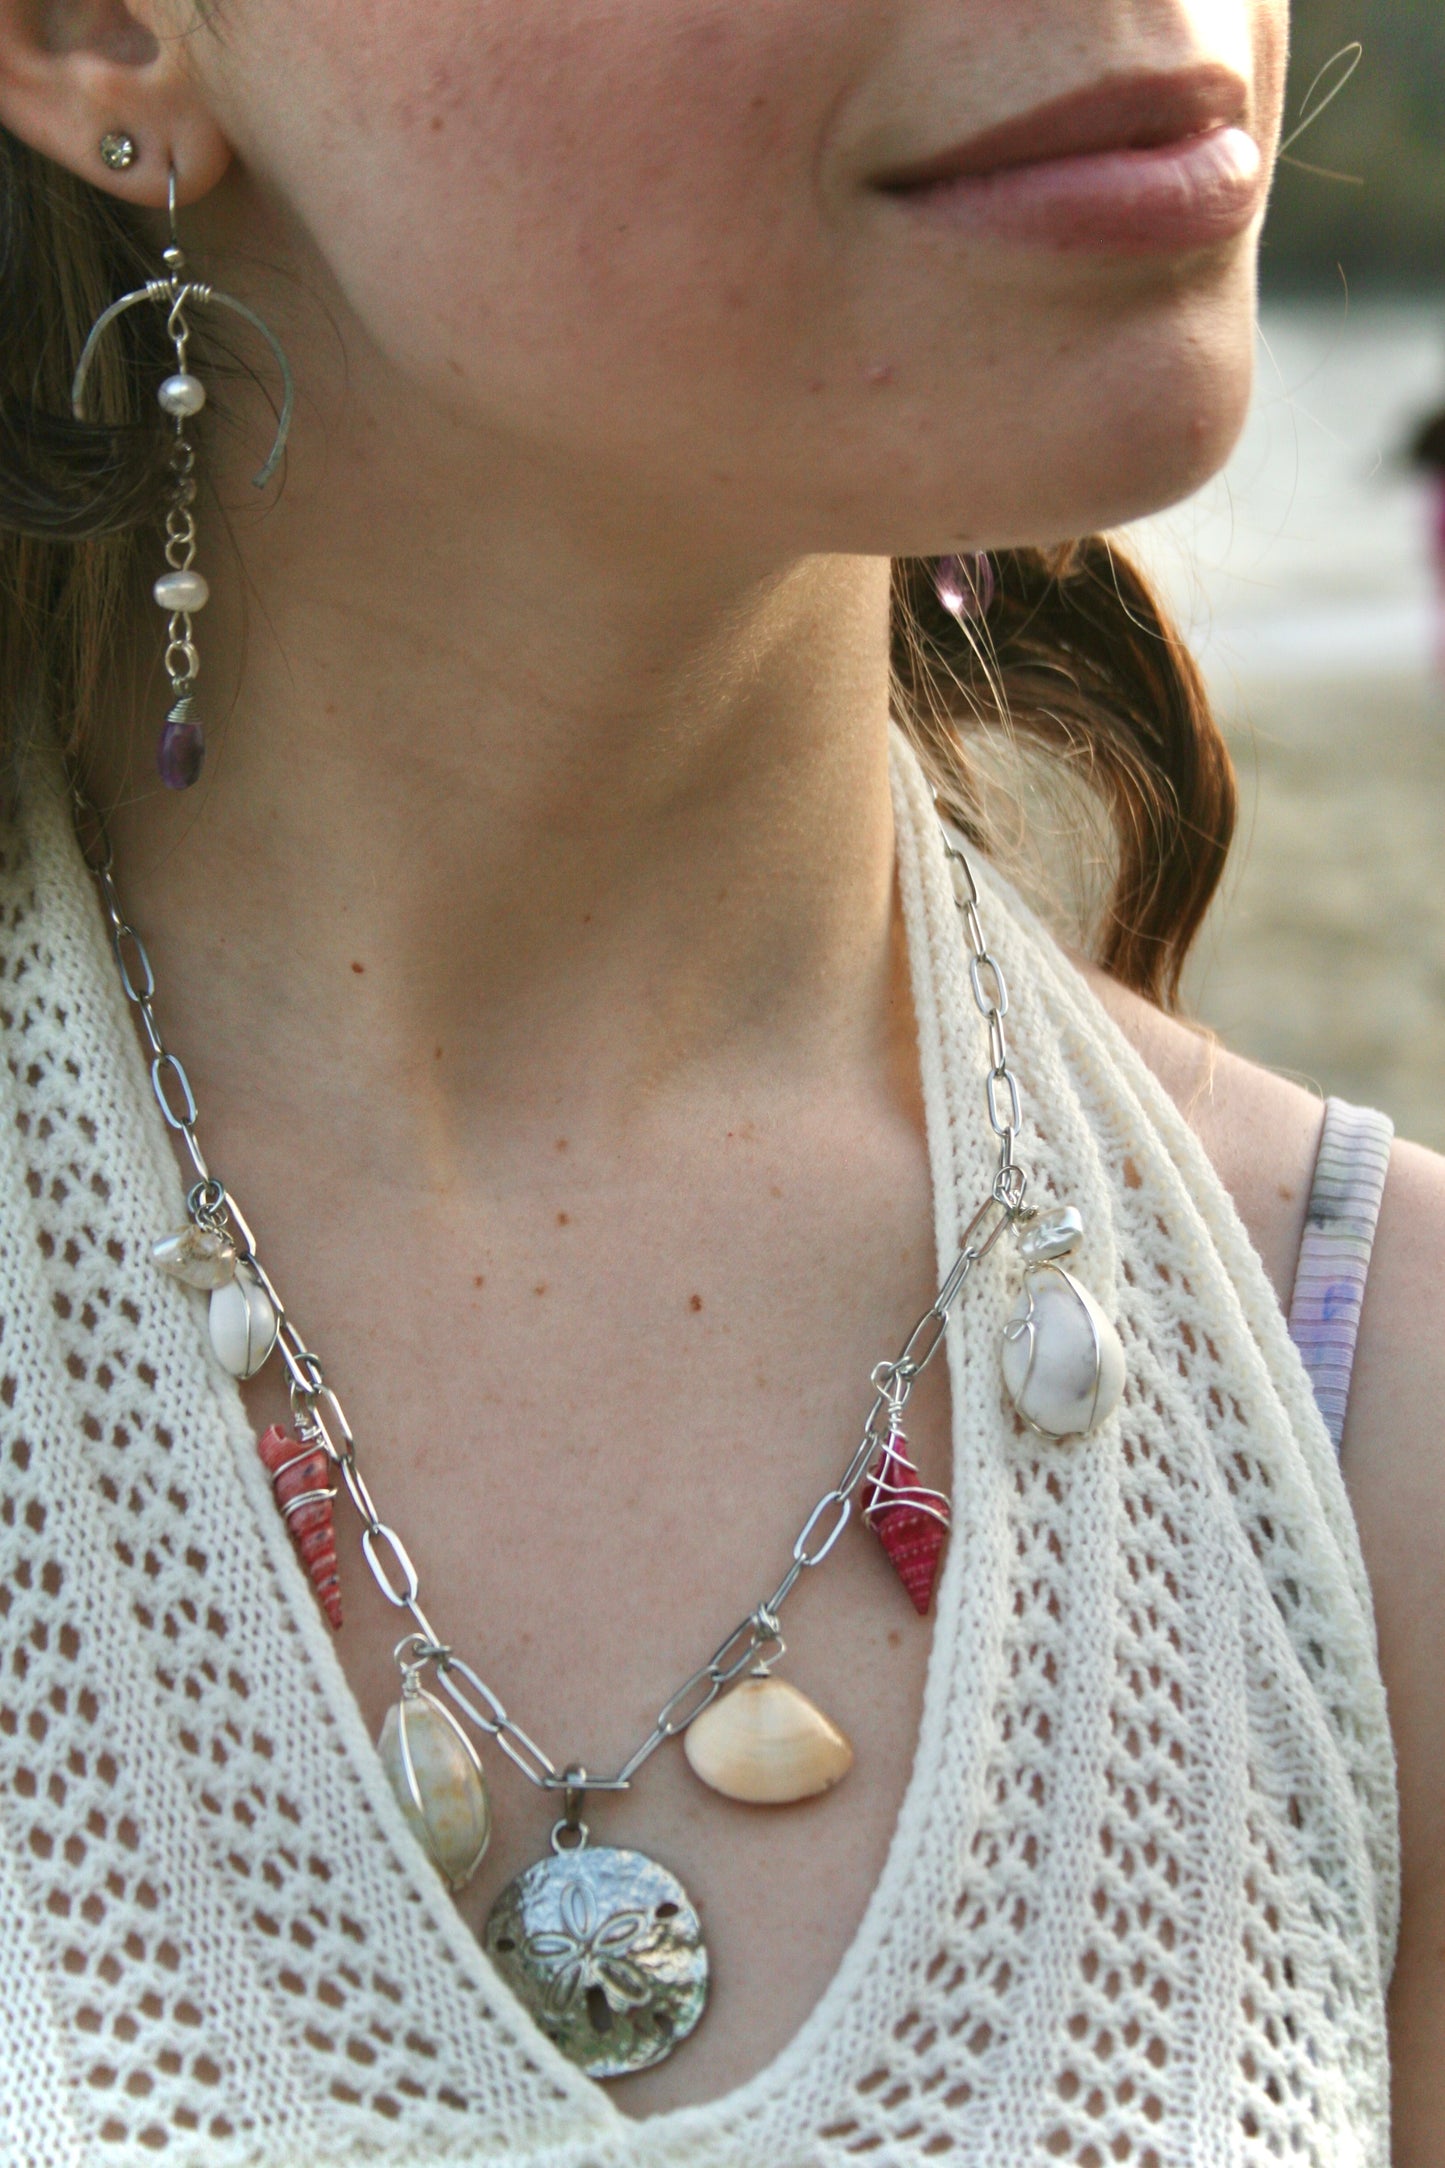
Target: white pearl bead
(1063,1361)
(182,395)
(182,593)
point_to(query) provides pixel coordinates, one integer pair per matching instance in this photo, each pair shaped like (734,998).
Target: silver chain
(321,1419)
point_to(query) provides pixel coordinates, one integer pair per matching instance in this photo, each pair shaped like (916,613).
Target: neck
(514,769)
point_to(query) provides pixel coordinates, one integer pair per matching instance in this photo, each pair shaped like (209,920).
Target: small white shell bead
(1063,1361)
(182,395)
(197,1256)
(182,593)
(1051,1236)
(767,1745)
(244,1324)
(438,1781)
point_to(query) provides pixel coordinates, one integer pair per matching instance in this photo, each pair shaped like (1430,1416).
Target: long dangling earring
(182,591)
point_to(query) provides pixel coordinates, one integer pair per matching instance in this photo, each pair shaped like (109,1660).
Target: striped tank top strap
(1334,1263)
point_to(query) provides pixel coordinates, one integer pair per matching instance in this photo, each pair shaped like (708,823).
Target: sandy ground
(1303,577)
(1326,956)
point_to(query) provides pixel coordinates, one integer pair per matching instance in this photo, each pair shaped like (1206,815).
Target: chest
(598,1413)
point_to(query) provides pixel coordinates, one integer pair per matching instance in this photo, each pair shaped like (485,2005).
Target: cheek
(545,184)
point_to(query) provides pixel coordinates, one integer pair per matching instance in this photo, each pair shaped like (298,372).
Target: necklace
(602,1944)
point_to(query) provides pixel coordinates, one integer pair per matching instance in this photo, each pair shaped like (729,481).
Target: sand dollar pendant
(1063,1360)
(604,1948)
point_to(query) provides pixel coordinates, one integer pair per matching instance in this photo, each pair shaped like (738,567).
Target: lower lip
(1169,199)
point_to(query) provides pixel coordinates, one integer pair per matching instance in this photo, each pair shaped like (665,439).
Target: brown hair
(1074,659)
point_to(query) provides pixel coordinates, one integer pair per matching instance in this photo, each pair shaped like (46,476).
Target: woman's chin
(1130,437)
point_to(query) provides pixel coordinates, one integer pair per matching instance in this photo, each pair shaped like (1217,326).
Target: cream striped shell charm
(1063,1360)
(436,1774)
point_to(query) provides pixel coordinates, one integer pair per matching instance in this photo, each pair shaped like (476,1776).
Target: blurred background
(1311,578)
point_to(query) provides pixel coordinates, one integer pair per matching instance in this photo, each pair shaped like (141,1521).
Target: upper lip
(1122,112)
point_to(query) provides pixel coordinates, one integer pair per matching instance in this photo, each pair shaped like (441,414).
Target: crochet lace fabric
(1141,1901)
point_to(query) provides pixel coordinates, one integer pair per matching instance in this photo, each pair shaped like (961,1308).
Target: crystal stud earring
(182,591)
(118,151)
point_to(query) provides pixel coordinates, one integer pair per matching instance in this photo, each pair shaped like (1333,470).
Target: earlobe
(76,74)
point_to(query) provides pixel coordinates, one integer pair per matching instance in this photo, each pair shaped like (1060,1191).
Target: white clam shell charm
(1063,1360)
(198,1256)
(437,1777)
(244,1324)
(767,1745)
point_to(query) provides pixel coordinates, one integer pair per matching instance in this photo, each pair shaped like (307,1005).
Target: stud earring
(181,591)
(118,151)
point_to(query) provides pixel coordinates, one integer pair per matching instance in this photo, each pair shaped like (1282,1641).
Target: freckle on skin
(895,1638)
(564,1219)
(775,1190)
(359,969)
(694,1303)
(437,1055)
(480,1280)
(540,1288)
(561,1144)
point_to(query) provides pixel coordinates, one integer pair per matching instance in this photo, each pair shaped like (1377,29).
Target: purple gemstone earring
(181,591)
(966,586)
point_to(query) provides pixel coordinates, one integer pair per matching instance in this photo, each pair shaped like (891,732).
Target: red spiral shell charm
(300,1476)
(909,1520)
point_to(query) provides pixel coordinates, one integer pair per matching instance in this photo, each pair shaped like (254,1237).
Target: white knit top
(1141,1902)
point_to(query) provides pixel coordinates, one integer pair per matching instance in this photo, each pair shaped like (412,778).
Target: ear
(73,71)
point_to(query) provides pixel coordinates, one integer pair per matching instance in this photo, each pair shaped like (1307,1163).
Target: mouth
(1138,164)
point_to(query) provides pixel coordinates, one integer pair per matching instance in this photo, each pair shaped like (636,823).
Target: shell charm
(300,1477)
(767,1745)
(197,1256)
(244,1324)
(909,1520)
(605,1949)
(437,1777)
(1063,1360)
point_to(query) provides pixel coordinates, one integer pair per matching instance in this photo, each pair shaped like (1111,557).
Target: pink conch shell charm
(300,1478)
(909,1520)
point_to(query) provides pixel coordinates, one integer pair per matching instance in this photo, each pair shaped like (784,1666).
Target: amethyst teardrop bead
(182,752)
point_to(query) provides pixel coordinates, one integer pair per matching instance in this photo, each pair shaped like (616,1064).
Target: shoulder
(1261,1132)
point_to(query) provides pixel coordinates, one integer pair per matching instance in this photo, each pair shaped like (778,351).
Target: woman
(566,963)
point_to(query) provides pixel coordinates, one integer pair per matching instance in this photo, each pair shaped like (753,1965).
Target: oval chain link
(320,1417)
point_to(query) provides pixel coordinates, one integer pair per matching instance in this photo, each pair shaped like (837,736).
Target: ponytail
(1078,659)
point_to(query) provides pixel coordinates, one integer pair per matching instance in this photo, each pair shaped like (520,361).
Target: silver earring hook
(175,293)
